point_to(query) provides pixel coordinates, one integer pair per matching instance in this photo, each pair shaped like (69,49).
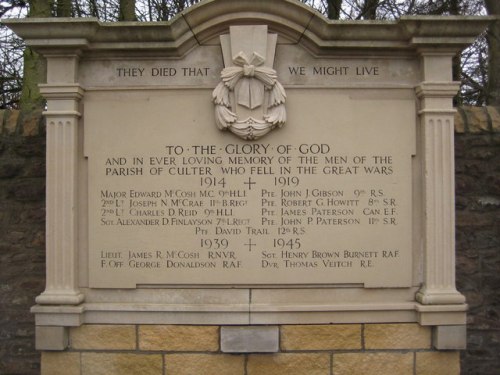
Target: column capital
(437,89)
(62,91)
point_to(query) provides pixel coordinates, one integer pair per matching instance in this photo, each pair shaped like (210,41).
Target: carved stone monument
(249,82)
(250,163)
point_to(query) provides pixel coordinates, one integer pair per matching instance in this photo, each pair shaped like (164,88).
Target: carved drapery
(249,83)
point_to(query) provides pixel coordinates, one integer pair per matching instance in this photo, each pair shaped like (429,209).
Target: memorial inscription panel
(174,201)
(326,199)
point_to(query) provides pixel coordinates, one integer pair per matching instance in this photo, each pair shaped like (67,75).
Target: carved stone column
(62,116)
(437,150)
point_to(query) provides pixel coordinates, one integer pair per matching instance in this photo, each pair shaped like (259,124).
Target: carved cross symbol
(250,183)
(250,244)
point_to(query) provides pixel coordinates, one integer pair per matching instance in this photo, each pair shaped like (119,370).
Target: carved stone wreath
(257,86)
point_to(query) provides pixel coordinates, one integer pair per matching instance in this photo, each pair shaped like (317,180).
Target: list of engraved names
(265,212)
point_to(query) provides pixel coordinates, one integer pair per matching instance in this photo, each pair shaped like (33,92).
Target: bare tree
(40,8)
(127,10)
(11,62)
(334,8)
(34,64)
(493,37)
(64,8)
(369,9)
(480,83)
(474,73)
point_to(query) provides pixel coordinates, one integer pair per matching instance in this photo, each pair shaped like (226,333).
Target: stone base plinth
(403,349)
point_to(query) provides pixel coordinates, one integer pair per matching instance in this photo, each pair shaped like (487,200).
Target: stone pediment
(294,22)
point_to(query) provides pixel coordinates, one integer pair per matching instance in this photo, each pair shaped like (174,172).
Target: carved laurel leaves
(252,77)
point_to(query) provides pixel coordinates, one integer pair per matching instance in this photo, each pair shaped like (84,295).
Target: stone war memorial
(250,188)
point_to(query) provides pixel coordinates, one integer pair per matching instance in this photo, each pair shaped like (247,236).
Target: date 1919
(292,181)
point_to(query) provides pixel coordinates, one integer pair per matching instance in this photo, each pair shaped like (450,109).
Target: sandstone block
(121,364)
(449,337)
(249,339)
(477,119)
(10,168)
(103,337)
(27,190)
(31,126)
(51,338)
(11,122)
(321,337)
(373,363)
(494,113)
(27,147)
(60,363)
(397,336)
(459,122)
(178,338)
(442,363)
(286,364)
(206,364)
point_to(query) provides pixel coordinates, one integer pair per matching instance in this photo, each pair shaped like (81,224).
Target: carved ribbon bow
(250,92)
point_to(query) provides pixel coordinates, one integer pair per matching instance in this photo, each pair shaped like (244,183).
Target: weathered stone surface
(28,147)
(51,338)
(474,219)
(249,339)
(178,338)
(36,168)
(482,153)
(206,364)
(494,113)
(449,337)
(477,119)
(477,244)
(121,364)
(31,123)
(459,121)
(11,120)
(321,337)
(103,337)
(10,168)
(442,363)
(286,364)
(397,336)
(373,363)
(27,190)
(22,254)
(60,363)
(464,184)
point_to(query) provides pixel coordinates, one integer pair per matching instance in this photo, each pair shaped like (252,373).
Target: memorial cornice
(293,21)
(437,89)
(62,91)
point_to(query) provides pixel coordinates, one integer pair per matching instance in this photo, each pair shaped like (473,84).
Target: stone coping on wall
(477,120)
(24,123)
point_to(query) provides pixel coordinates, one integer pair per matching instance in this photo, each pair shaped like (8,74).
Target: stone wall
(368,349)
(322,349)
(477,146)
(22,237)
